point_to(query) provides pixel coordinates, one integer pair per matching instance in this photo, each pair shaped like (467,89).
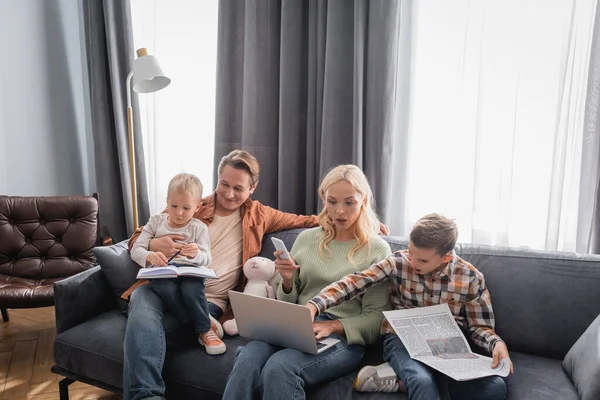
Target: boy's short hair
(186,183)
(241,159)
(434,231)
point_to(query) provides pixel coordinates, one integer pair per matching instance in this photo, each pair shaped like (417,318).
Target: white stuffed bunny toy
(259,271)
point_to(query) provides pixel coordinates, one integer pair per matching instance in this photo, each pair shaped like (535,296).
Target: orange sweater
(257,221)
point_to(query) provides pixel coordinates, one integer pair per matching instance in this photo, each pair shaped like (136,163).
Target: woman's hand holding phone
(284,264)
(286,269)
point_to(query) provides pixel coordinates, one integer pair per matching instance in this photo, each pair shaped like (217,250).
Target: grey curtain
(591,139)
(110,53)
(305,86)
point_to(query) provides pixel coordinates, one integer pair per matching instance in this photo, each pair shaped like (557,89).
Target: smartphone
(279,245)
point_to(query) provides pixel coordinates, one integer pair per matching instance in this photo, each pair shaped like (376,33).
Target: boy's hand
(156,258)
(313,310)
(500,352)
(166,244)
(286,269)
(190,250)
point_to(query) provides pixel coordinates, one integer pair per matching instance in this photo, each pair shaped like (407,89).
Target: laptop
(276,322)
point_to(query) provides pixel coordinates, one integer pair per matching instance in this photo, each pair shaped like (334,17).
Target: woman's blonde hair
(367,223)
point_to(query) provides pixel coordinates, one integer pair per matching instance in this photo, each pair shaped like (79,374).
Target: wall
(45,136)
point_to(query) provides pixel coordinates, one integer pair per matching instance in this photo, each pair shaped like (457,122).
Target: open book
(173,271)
(432,336)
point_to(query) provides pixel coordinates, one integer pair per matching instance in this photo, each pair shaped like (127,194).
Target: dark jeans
(277,373)
(145,345)
(185,298)
(420,380)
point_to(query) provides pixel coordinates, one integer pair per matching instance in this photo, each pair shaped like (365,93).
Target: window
(496,118)
(178,122)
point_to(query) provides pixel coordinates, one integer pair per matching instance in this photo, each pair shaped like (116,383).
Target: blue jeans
(145,345)
(273,373)
(185,298)
(420,380)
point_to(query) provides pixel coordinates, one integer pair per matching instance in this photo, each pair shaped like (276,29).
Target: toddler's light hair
(186,183)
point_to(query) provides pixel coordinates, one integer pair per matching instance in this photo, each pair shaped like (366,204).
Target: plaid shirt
(459,284)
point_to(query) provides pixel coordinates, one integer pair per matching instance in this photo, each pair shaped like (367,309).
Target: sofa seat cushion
(189,364)
(535,378)
(24,292)
(95,349)
(582,362)
(539,378)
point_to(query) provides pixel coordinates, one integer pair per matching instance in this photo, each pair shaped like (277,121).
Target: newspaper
(432,336)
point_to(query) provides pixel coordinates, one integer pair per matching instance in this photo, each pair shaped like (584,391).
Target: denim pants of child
(421,383)
(269,372)
(145,344)
(185,297)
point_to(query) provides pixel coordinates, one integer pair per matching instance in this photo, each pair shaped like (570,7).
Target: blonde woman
(345,241)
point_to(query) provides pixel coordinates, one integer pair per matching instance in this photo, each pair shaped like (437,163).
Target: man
(236,226)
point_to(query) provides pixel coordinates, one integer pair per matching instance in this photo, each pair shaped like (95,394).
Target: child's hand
(190,250)
(156,258)
(166,244)
(500,352)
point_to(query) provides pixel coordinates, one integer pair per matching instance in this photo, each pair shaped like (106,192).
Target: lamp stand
(148,79)
(132,154)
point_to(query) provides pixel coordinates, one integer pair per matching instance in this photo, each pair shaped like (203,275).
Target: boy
(428,273)
(184,296)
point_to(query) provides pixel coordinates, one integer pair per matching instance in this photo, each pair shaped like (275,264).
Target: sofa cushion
(190,365)
(582,362)
(94,348)
(118,267)
(535,291)
(538,378)
(288,237)
(535,378)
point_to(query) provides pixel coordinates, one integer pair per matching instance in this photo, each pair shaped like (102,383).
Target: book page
(432,336)
(201,272)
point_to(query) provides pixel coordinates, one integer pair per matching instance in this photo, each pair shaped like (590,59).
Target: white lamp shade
(147,75)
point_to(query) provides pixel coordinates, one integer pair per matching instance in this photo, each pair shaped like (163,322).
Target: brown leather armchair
(43,240)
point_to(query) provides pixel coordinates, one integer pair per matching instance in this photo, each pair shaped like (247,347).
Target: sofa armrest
(81,297)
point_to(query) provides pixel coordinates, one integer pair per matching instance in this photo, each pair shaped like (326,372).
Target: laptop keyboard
(320,345)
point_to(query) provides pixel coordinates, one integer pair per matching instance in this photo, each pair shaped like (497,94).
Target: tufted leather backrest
(47,237)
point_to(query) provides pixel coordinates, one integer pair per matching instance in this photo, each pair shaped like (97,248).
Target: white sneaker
(381,378)
(216,326)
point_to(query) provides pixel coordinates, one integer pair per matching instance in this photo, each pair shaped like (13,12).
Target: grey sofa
(543,302)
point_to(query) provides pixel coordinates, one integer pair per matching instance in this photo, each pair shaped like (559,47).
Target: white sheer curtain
(178,122)
(496,119)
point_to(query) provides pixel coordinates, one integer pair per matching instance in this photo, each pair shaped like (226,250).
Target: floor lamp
(147,77)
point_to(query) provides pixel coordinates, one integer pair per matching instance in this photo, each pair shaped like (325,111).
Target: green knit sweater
(361,317)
